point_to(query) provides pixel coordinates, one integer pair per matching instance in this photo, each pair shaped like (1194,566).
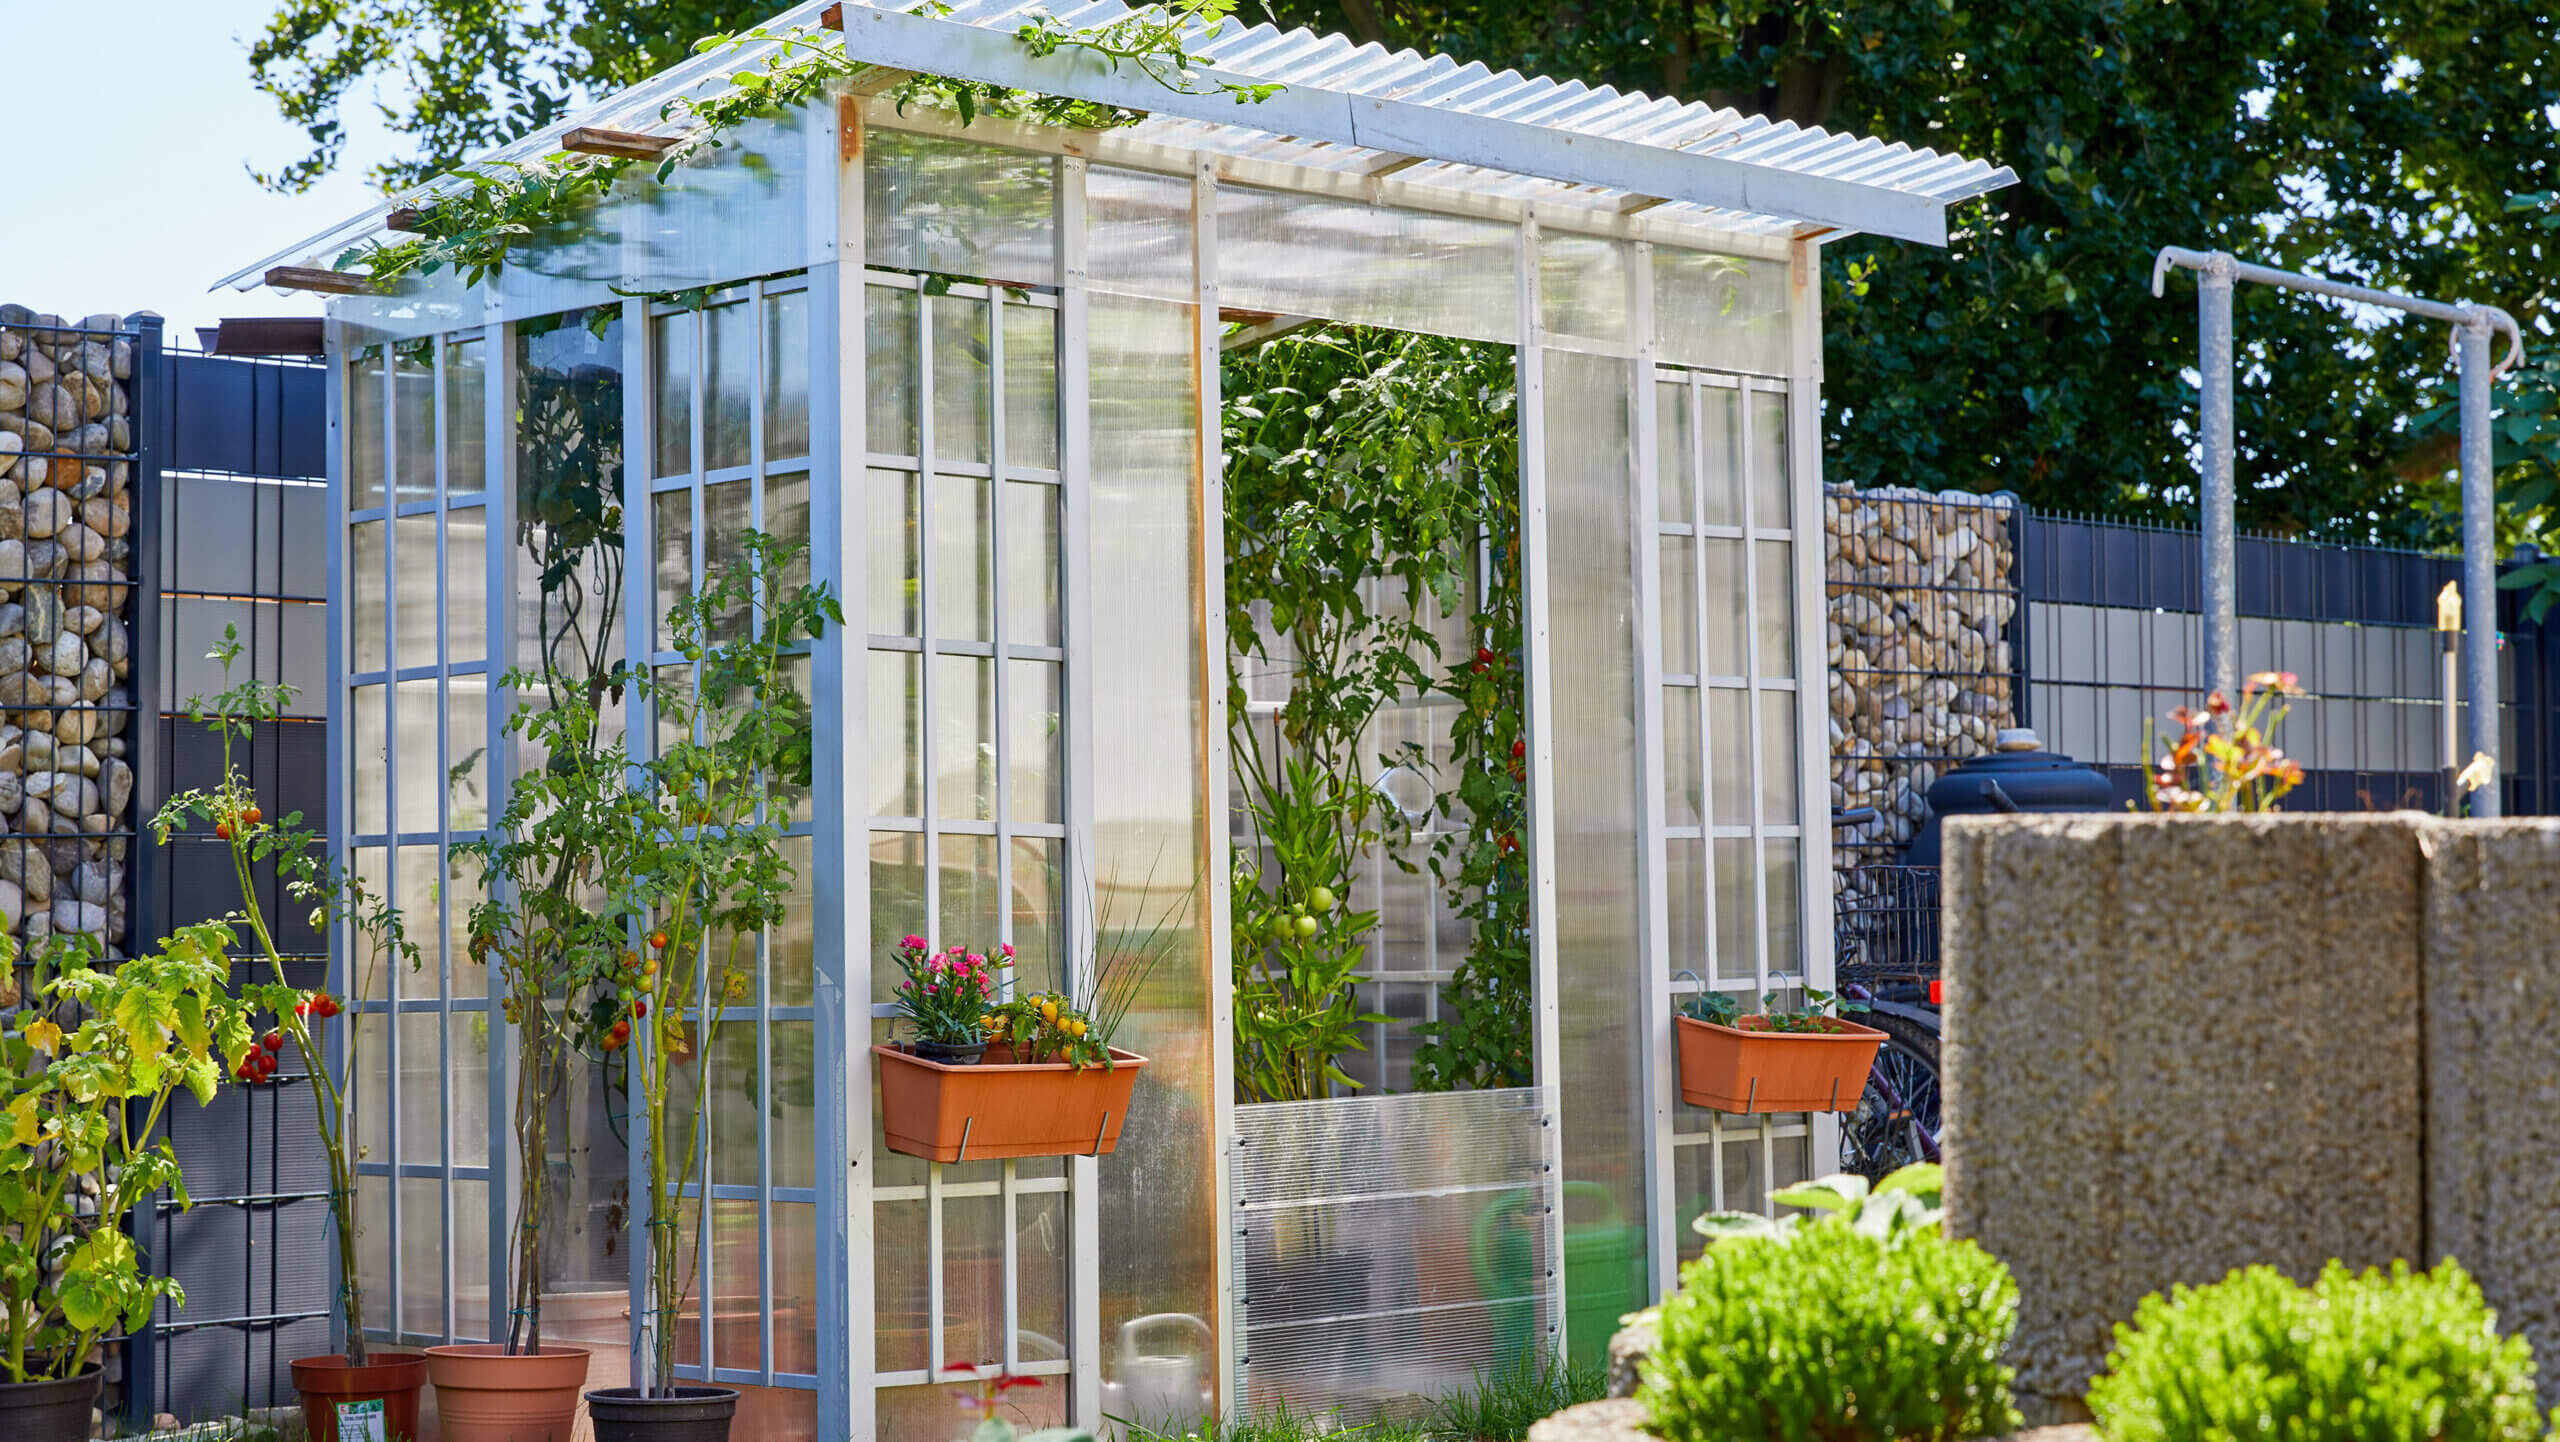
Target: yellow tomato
(1049,1011)
(1075,1026)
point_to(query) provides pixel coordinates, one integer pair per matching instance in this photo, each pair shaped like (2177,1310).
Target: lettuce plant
(2356,1357)
(1865,1323)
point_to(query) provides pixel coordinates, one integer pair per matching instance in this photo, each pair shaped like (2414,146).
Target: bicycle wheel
(1897,1122)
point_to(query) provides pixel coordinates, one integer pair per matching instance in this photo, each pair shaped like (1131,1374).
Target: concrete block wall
(2175,1046)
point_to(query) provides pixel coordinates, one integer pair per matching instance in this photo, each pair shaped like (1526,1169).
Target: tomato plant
(364,924)
(689,859)
(87,1068)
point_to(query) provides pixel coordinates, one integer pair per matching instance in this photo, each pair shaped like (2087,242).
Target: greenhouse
(973,359)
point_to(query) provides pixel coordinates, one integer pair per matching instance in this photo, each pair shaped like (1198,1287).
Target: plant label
(361,1421)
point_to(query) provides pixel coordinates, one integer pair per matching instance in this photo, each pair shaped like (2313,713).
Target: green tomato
(1321,898)
(1307,926)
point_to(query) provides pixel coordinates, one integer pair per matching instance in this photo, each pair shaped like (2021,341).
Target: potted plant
(948,998)
(692,865)
(538,868)
(1779,1059)
(87,1068)
(1044,1079)
(373,932)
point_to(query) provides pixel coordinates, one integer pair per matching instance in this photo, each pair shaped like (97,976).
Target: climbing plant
(497,205)
(1370,485)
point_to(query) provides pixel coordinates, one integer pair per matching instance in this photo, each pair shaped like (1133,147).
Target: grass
(1500,1407)
(1286,1426)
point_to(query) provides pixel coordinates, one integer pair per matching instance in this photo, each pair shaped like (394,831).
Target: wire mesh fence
(1927,638)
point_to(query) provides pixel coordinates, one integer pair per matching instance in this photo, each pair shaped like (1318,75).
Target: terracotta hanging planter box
(1002,1108)
(1747,1067)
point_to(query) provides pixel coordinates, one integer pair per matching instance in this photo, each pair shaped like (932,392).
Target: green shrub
(1863,1325)
(2356,1357)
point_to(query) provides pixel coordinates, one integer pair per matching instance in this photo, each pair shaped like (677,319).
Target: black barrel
(2021,776)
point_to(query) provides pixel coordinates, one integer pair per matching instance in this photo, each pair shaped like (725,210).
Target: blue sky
(127,190)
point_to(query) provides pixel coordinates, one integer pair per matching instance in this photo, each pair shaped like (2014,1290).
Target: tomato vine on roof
(502,204)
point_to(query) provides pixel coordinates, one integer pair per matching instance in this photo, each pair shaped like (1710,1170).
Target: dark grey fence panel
(242,510)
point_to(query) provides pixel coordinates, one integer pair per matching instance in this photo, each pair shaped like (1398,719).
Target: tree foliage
(2372,140)
(454,78)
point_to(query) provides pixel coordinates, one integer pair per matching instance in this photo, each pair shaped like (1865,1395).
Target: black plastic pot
(688,1414)
(49,1411)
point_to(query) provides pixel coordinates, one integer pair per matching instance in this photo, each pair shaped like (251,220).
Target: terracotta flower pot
(1003,1108)
(49,1411)
(1747,1067)
(485,1395)
(393,1377)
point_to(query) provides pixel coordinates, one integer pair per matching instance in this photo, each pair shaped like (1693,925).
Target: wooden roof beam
(330,282)
(620,144)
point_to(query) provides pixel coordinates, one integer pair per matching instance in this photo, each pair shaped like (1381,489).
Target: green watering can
(1603,1269)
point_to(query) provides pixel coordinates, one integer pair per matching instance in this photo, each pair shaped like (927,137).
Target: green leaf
(1838,1193)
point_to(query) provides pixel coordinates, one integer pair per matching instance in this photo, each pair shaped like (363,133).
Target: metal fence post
(2218,497)
(149,403)
(2479,558)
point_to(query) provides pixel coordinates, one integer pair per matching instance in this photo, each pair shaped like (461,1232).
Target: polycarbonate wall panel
(738,209)
(726,404)
(1137,235)
(1590,488)
(1388,1249)
(967,844)
(1721,312)
(955,208)
(1368,264)
(1734,818)
(417,669)
(1151,813)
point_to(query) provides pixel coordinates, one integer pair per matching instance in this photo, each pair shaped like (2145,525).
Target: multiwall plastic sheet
(724,214)
(955,208)
(1368,264)
(1721,312)
(1388,1249)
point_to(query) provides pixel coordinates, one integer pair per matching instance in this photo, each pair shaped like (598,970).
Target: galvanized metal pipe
(2218,498)
(2479,558)
(2473,326)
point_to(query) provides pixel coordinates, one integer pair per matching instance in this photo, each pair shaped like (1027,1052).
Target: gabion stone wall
(67,452)
(1922,591)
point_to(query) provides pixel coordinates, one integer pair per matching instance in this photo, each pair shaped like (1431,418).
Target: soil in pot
(49,1411)
(687,1414)
(391,1377)
(485,1395)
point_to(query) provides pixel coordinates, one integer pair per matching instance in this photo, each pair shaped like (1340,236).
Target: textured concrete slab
(2175,1046)
(2493,1069)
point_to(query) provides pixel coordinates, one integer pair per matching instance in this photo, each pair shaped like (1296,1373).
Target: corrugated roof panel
(1457,95)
